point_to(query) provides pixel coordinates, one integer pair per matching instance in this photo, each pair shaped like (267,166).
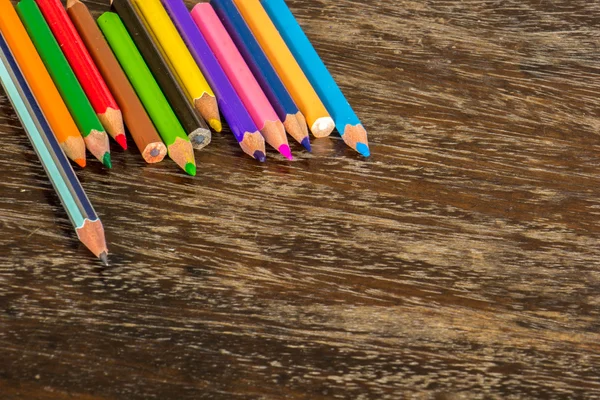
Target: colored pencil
(190,119)
(241,77)
(91,128)
(90,79)
(139,124)
(72,196)
(176,53)
(41,84)
(265,74)
(178,144)
(287,68)
(239,120)
(346,121)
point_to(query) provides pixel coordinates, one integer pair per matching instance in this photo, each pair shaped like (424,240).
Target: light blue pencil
(346,121)
(78,207)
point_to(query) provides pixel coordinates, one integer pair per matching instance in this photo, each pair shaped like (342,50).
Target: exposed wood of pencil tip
(295,125)
(91,234)
(322,127)
(274,133)
(74,148)
(134,115)
(71,3)
(182,153)
(253,144)
(302,121)
(208,108)
(97,143)
(355,134)
(200,138)
(112,120)
(154,152)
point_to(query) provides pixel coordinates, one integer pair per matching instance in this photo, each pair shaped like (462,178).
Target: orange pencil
(320,122)
(41,84)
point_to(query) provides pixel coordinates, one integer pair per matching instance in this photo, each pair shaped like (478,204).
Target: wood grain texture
(461,261)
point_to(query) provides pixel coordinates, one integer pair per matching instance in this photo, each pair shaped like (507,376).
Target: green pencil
(168,126)
(64,78)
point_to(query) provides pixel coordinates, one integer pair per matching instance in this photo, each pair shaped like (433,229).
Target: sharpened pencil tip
(122,140)
(190,168)
(81,162)
(284,149)
(106,160)
(104,258)
(306,143)
(363,149)
(260,156)
(216,125)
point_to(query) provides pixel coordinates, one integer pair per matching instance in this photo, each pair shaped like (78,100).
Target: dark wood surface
(461,261)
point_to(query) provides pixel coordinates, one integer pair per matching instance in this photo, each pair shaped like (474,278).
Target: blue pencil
(78,207)
(265,74)
(346,121)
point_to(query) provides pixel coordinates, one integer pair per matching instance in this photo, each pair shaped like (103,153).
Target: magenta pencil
(244,82)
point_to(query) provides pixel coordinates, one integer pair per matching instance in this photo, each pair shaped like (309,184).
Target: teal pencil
(78,207)
(346,121)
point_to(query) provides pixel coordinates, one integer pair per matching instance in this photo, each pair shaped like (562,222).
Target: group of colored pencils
(167,74)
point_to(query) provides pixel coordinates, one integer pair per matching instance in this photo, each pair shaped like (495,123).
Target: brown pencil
(139,124)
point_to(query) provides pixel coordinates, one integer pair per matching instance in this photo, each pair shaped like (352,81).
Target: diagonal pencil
(75,202)
(239,120)
(346,121)
(89,125)
(178,144)
(253,97)
(287,67)
(179,58)
(88,75)
(41,84)
(265,74)
(140,126)
(190,118)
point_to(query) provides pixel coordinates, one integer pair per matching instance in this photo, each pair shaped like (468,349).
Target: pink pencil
(241,77)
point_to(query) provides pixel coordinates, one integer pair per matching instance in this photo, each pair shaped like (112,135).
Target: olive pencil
(346,121)
(190,119)
(239,120)
(83,114)
(88,75)
(54,161)
(265,74)
(177,54)
(140,126)
(178,144)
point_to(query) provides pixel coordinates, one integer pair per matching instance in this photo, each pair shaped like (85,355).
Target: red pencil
(86,71)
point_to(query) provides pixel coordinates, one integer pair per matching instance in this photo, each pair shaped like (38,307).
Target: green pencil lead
(106,160)
(190,168)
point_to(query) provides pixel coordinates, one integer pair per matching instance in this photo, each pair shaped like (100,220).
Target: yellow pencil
(320,122)
(181,61)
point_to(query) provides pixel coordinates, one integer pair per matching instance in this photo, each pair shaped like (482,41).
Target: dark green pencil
(64,78)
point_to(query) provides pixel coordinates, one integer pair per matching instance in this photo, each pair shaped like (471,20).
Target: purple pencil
(239,120)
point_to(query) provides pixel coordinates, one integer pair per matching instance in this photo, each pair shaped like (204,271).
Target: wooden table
(461,261)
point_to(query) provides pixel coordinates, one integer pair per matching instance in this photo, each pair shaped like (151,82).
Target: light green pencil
(172,133)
